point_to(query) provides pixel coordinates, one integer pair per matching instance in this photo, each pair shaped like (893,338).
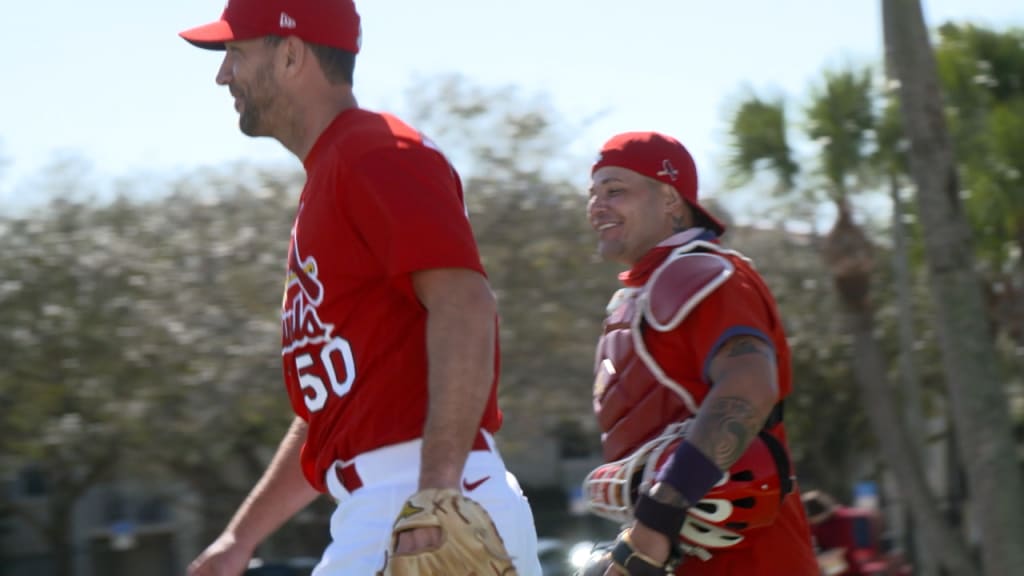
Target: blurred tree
(982,72)
(971,364)
(890,162)
(217,247)
(494,132)
(758,137)
(841,121)
(145,337)
(76,346)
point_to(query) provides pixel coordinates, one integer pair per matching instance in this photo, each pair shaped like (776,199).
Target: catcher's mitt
(470,544)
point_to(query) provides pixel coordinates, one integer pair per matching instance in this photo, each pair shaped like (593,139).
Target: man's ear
(673,203)
(294,55)
(676,207)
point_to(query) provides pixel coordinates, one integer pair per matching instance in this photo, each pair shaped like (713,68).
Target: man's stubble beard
(258,100)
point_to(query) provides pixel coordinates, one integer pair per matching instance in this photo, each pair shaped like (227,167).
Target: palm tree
(969,357)
(841,119)
(982,74)
(889,160)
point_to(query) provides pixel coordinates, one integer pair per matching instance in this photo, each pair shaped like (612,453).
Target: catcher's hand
(599,561)
(470,544)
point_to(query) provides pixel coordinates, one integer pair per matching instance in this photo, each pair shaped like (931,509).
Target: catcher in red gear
(691,373)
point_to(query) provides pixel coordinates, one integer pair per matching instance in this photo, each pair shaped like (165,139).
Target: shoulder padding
(680,284)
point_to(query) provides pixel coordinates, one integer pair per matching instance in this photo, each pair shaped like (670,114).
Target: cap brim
(210,36)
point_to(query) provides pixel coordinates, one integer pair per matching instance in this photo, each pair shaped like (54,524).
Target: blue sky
(110,81)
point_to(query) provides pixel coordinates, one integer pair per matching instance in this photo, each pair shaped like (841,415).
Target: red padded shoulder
(680,284)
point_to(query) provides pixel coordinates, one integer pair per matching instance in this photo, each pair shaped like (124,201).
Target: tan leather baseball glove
(470,543)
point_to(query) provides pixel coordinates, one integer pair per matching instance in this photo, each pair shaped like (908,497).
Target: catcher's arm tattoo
(744,389)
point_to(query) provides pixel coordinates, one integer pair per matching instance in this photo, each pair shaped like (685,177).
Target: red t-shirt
(741,305)
(380,203)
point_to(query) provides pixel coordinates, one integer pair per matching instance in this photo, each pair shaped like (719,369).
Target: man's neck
(316,117)
(683,237)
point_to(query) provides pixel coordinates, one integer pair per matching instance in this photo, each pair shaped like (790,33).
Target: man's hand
(443,532)
(650,542)
(225,557)
(647,542)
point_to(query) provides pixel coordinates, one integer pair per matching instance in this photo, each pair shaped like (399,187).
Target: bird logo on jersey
(302,273)
(300,321)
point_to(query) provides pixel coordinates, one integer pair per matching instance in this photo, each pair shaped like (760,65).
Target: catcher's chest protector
(635,395)
(630,404)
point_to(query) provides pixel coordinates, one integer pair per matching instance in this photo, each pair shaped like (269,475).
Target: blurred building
(122,528)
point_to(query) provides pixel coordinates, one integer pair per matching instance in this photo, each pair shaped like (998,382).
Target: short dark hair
(338,65)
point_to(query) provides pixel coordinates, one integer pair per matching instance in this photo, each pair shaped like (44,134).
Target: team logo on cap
(287,21)
(667,169)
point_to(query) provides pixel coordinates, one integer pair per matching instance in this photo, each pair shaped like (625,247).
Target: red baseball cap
(333,23)
(662,158)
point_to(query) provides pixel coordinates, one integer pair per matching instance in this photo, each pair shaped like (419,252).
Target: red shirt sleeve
(736,308)
(407,203)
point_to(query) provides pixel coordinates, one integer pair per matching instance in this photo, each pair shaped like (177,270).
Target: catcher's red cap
(333,23)
(662,158)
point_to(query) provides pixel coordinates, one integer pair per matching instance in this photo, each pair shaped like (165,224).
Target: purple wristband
(690,472)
